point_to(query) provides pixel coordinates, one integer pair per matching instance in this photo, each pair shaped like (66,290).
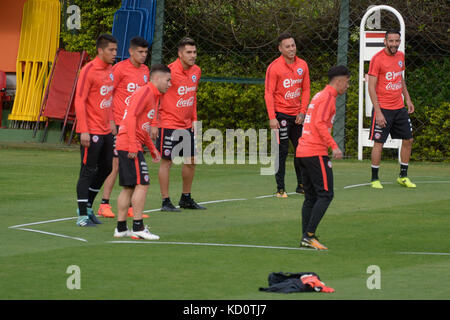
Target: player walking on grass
(287,93)
(134,131)
(387,88)
(176,123)
(95,124)
(312,151)
(129,75)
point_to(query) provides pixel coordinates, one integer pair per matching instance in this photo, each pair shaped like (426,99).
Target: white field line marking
(41,222)
(427,253)
(368,184)
(52,234)
(272,195)
(212,244)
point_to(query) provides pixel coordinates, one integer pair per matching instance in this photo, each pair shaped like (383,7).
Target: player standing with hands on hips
(287,93)
(134,131)
(312,151)
(387,88)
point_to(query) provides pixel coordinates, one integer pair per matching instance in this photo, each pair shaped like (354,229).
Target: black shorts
(100,150)
(398,124)
(317,175)
(132,172)
(173,143)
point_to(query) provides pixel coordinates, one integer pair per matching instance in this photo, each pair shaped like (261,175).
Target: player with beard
(176,125)
(387,88)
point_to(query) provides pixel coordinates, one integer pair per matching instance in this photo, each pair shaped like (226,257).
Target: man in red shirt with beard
(176,121)
(387,88)
(95,124)
(312,152)
(287,92)
(133,171)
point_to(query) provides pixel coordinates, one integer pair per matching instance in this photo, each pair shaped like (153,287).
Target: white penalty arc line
(368,184)
(51,234)
(426,253)
(212,244)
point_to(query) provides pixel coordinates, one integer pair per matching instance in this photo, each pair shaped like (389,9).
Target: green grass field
(402,231)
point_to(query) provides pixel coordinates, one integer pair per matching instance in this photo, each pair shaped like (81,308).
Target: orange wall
(10,22)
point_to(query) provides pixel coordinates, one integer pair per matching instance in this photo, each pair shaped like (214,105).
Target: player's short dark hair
(104,40)
(138,42)
(186,41)
(159,68)
(284,36)
(392,31)
(338,71)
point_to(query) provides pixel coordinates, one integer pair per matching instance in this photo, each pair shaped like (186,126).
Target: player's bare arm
(379,118)
(408,101)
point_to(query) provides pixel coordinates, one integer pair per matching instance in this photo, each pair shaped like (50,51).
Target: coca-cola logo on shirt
(181,103)
(394,86)
(146,127)
(106,103)
(293,94)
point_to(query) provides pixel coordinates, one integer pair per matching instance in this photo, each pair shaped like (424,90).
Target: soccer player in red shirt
(129,75)
(95,124)
(312,151)
(176,123)
(387,88)
(287,92)
(134,131)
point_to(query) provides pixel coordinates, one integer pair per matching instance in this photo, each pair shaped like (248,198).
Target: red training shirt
(138,117)
(287,87)
(93,99)
(388,69)
(178,108)
(127,79)
(316,136)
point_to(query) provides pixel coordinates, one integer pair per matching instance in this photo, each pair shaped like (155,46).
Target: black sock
(375,173)
(105,201)
(166,200)
(91,197)
(186,195)
(138,225)
(403,170)
(82,208)
(122,226)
